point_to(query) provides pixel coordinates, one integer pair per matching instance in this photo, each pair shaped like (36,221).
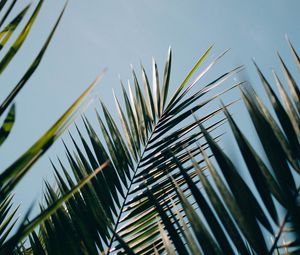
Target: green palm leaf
(230,199)
(139,157)
(11,176)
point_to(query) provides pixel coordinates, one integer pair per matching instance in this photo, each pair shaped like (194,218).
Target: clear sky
(96,34)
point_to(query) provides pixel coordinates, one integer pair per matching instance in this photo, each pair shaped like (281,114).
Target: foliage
(237,218)
(161,193)
(11,176)
(149,200)
(113,212)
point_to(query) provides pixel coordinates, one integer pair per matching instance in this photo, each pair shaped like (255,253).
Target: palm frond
(11,176)
(116,203)
(260,220)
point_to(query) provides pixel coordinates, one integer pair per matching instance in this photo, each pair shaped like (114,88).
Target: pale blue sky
(95,34)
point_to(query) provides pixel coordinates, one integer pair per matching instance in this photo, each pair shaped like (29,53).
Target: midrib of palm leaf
(127,193)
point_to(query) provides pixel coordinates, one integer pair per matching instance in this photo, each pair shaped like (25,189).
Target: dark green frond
(151,125)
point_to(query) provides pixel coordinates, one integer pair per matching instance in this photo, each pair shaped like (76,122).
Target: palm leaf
(139,157)
(11,177)
(13,174)
(249,222)
(20,39)
(32,68)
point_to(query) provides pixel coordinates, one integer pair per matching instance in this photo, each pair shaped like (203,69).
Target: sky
(115,34)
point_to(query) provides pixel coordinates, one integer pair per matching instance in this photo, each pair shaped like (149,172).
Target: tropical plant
(154,188)
(11,176)
(113,212)
(150,201)
(258,214)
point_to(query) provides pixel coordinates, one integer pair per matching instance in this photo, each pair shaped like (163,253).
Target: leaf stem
(127,193)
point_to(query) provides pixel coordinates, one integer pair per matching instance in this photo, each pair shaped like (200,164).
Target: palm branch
(113,212)
(258,214)
(11,176)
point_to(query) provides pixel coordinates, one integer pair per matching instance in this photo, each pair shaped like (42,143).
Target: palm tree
(162,192)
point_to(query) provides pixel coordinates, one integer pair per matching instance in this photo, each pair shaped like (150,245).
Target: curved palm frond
(113,212)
